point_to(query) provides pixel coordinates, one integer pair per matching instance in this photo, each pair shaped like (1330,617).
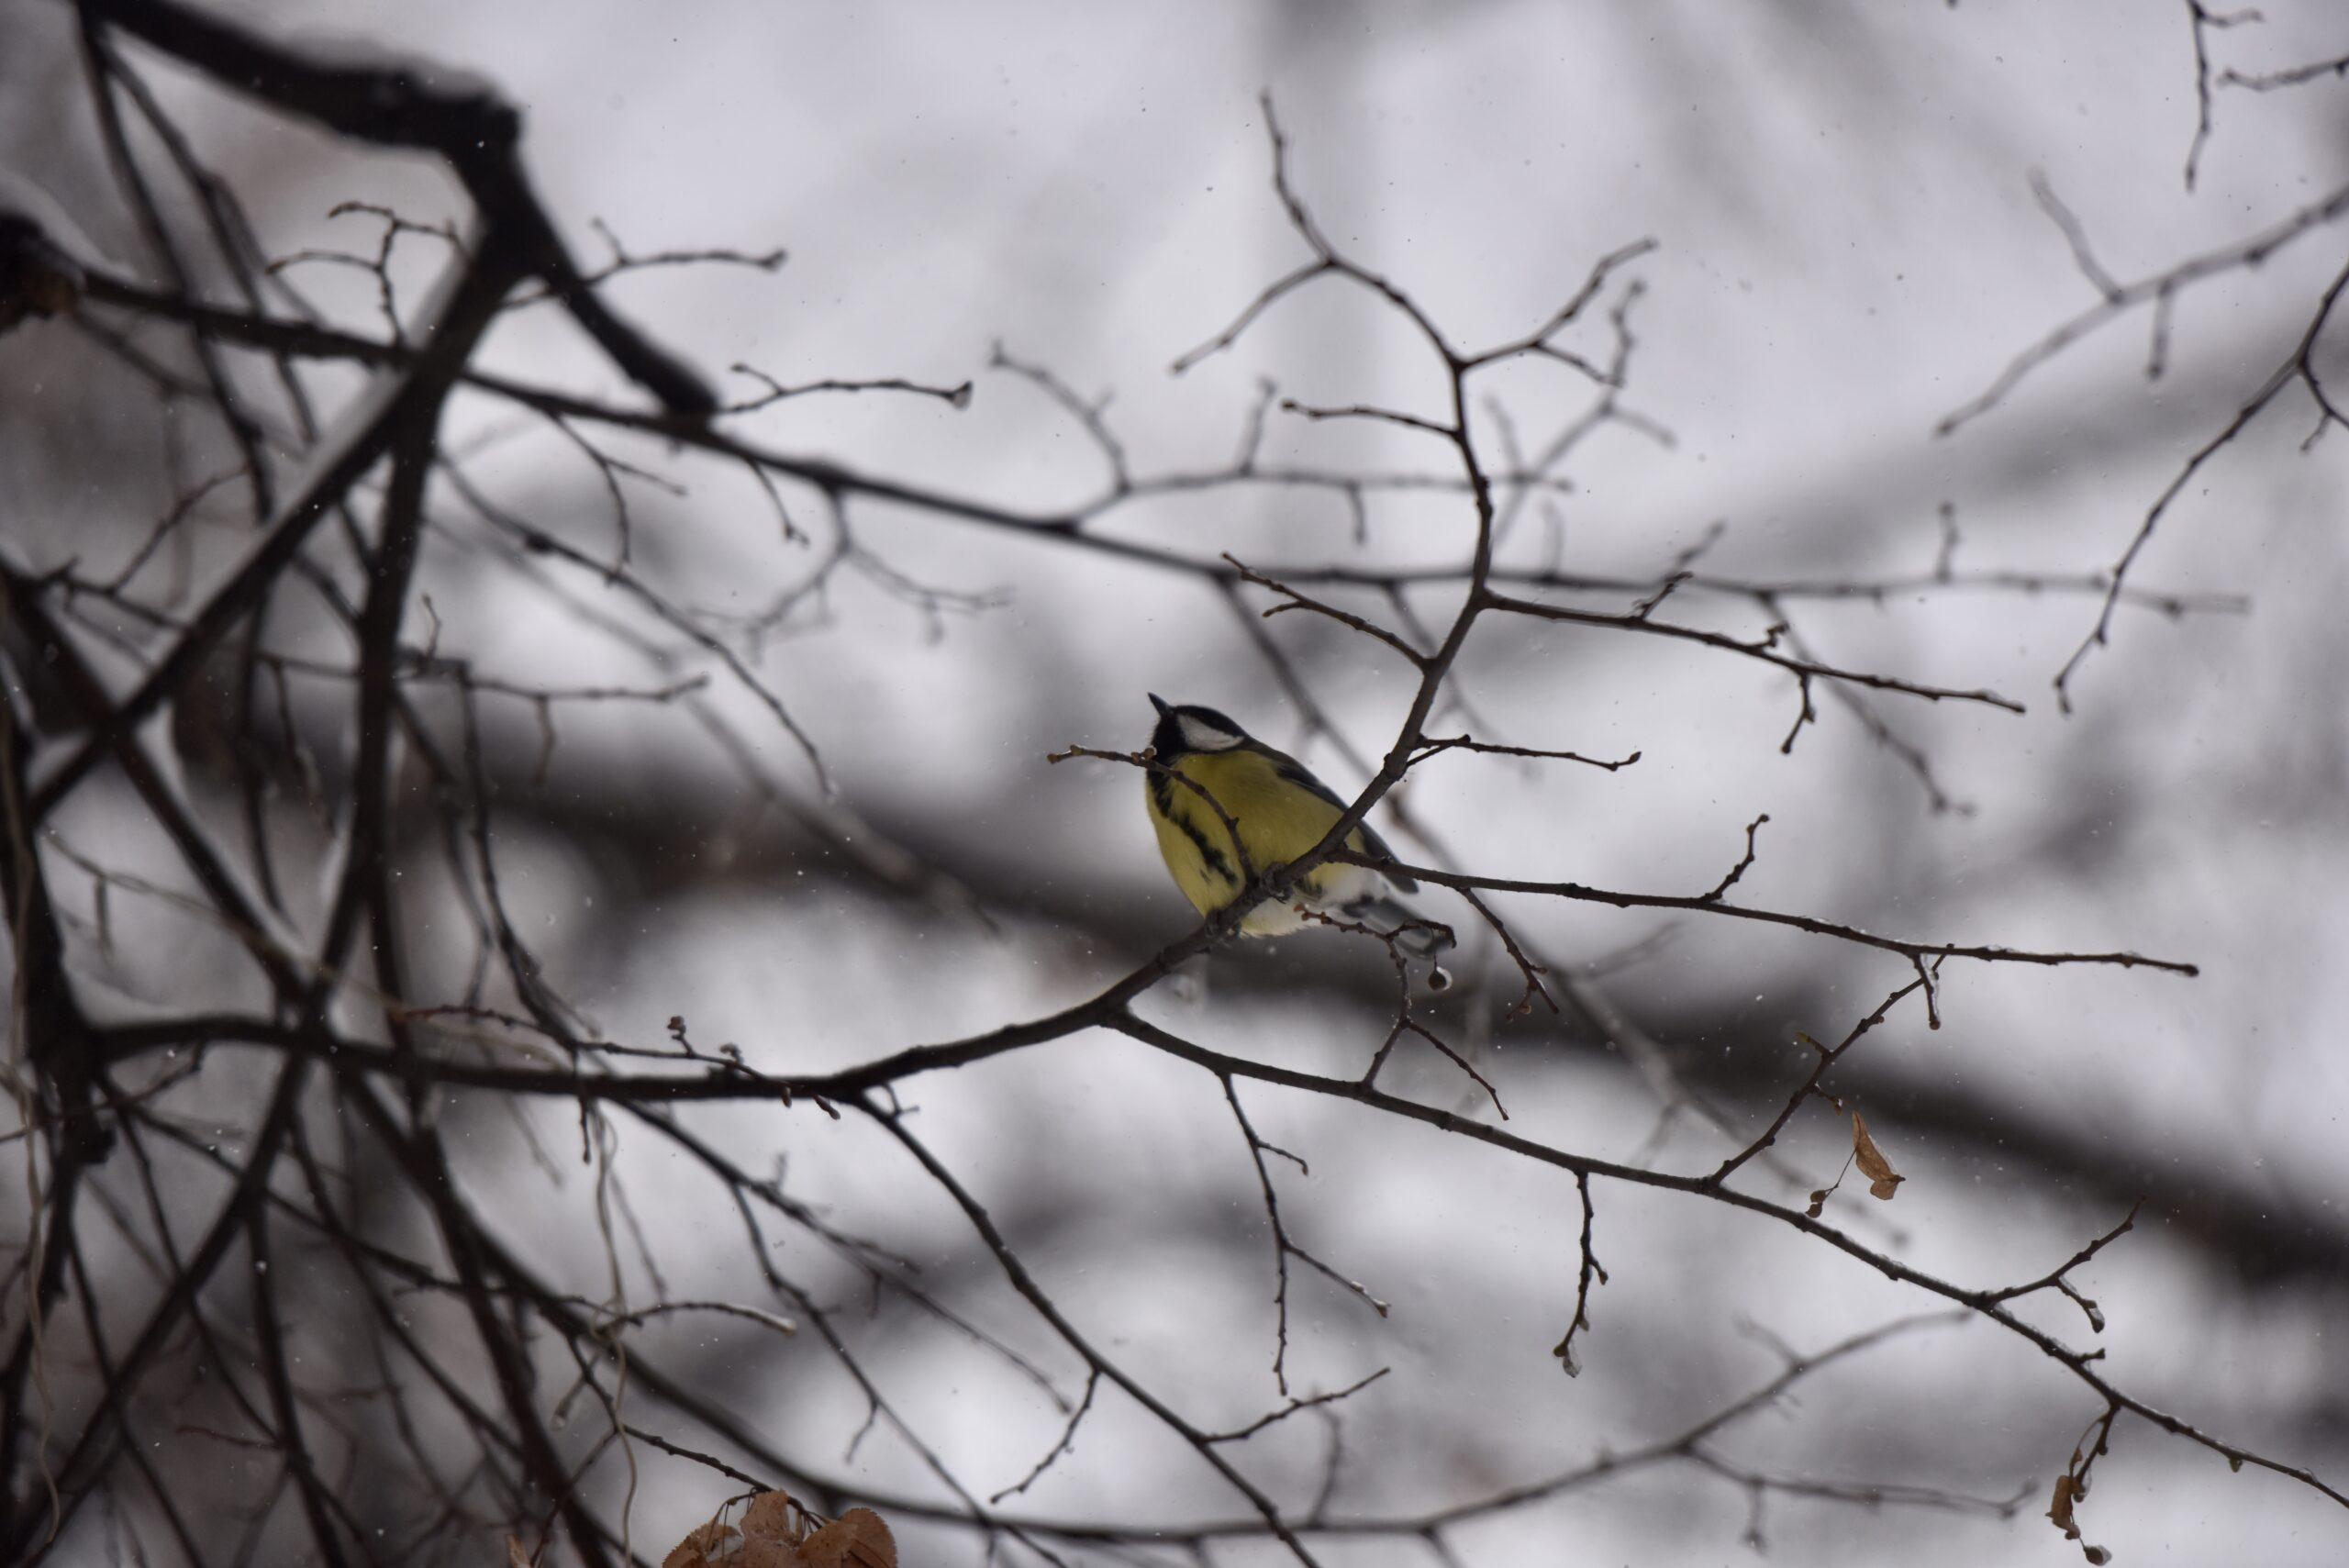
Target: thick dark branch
(42,1519)
(395,399)
(399,104)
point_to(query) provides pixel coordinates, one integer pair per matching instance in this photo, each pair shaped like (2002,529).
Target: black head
(1182,730)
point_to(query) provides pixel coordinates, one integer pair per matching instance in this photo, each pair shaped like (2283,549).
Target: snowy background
(1849,249)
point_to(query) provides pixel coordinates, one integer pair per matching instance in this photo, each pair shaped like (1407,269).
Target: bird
(1282,811)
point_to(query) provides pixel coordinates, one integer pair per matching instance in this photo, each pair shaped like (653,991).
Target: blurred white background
(1849,249)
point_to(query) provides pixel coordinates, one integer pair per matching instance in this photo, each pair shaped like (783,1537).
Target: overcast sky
(1848,249)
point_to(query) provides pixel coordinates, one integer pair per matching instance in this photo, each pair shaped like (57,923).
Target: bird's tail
(1417,937)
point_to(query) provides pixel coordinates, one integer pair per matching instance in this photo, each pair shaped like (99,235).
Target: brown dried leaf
(767,1553)
(774,1530)
(515,1556)
(773,1515)
(1817,1202)
(706,1546)
(2060,1510)
(769,1536)
(858,1538)
(1883,1180)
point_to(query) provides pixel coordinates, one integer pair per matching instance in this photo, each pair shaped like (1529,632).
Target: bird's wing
(1377,846)
(1297,774)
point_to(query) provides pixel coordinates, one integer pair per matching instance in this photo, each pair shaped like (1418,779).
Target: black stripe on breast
(1161,792)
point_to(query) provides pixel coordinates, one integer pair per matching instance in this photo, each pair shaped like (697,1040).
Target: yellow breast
(1279,822)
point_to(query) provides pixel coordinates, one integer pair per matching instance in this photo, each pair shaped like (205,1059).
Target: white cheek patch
(1201,736)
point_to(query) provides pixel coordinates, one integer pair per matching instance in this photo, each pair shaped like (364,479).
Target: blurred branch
(2204,21)
(512,1396)
(2299,368)
(396,103)
(2117,300)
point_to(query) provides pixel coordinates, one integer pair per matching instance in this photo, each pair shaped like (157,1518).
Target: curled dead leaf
(776,1532)
(704,1546)
(858,1538)
(1883,1180)
(2060,1510)
(2069,1490)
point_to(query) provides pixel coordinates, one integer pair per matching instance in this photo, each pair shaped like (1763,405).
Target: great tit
(1282,812)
